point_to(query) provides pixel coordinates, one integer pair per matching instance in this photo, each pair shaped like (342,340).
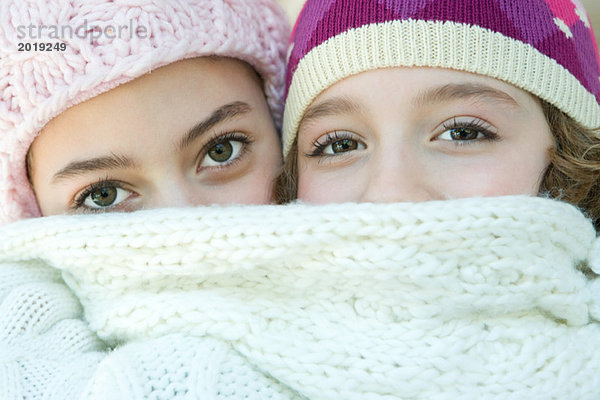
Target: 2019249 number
(35,46)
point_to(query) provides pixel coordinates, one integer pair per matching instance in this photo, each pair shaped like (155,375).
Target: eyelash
(475,124)
(79,200)
(332,137)
(219,138)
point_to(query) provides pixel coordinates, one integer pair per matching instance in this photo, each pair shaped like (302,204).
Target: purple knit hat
(545,47)
(99,44)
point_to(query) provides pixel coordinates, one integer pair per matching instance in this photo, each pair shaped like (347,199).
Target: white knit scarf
(472,298)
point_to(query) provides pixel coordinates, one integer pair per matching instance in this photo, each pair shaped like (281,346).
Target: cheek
(258,189)
(251,189)
(256,185)
(501,179)
(524,173)
(310,187)
(320,187)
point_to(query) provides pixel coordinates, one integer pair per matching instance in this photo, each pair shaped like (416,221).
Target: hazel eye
(222,153)
(105,196)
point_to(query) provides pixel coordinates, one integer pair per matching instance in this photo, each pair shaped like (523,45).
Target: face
(418,134)
(194,132)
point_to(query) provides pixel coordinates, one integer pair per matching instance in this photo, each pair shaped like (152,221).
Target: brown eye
(221,152)
(467,130)
(343,145)
(335,143)
(464,134)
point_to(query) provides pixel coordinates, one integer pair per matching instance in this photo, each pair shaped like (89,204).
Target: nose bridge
(173,191)
(397,174)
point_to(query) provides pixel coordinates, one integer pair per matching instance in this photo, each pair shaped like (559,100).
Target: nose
(400,177)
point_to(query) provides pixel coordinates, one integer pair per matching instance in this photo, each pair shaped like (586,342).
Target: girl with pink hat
(142,105)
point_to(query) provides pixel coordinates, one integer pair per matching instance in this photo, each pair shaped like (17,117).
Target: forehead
(163,98)
(415,81)
(204,76)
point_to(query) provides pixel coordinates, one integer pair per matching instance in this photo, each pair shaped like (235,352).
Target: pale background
(292,7)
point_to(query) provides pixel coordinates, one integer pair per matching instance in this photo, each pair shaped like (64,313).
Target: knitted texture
(47,351)
(179,366)
(109,43)
(545,47)
(471,298)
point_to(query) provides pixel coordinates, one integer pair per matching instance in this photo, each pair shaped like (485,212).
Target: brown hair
(573,175)
(286,185)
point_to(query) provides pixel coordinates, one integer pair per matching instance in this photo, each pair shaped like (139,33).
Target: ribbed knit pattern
(47,351)
(177,366)
(542,46)
(36,86)
(494,298)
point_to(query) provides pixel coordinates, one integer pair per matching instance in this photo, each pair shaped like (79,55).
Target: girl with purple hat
(459,142)
(429,100)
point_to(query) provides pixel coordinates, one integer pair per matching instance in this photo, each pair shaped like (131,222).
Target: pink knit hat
(96,45)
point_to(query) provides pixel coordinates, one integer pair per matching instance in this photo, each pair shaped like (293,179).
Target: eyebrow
(221,114)
(329,107)
(112,161)
(453,91)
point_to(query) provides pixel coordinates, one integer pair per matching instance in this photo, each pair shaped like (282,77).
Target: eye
(461,134)
(471,130)
(101,195)
(336,143)
(341,146)
(224,150)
